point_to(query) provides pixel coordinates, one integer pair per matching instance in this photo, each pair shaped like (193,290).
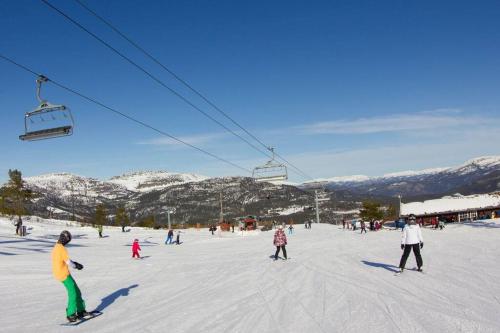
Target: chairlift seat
(48,133)
(271,171)
(48,120)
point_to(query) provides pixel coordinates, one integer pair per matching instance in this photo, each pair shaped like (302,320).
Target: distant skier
(280,242)
(343,223)
(178,238)
(170,237)
(135,249)
(363,226)
(290,229)
(411,239)
(309,224)
(60,270)
(441,225)
(19,226)
(353,224)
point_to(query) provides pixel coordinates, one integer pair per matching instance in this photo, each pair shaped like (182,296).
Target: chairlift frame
(271,171)
(46,108)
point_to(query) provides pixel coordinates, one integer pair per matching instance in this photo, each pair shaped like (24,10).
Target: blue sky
(338,87)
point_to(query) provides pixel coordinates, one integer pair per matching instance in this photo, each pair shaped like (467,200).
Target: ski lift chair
(47,121)
(271,171)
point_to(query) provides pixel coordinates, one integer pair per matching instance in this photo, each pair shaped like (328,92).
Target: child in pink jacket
(135,249)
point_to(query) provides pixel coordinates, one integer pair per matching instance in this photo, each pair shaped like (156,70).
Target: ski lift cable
(177,77)
(150,75)
(171,72)
(124,115)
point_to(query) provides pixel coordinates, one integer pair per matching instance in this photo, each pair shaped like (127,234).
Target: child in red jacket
(135,249)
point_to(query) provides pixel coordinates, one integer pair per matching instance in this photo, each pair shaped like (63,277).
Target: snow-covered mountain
(479,175)
(196,198)
(66,185)
(154,180)
(144,194)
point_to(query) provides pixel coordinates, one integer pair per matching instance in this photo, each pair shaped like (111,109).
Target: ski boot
(72,318)
(83,314)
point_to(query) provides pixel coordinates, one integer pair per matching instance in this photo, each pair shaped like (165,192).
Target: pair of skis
(412,269)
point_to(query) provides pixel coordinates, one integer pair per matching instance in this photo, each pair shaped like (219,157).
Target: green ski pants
(75,301)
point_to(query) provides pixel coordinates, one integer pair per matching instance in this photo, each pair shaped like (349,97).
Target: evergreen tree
(100,215)
(391,213)
(15,196)
(3,206)
(371,211)
(148,222)
(122,218)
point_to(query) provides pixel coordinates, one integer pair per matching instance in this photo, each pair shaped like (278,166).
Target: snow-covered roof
(457,203)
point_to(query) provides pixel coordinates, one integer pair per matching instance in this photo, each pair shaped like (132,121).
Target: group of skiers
(170,237)
(374,225)
(411,240)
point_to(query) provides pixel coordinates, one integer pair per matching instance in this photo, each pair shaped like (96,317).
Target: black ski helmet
(65,237)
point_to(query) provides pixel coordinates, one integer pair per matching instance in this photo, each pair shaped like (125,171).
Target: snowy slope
(336,281)
(154,180)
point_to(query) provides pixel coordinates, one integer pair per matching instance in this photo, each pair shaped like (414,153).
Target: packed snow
(452,204)
(335,281)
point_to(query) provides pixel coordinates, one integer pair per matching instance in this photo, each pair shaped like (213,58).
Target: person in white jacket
(411,239)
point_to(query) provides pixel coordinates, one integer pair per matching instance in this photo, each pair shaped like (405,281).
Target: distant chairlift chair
(271,171)
(47,121)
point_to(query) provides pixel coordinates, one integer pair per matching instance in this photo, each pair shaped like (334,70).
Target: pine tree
(15,196)
(100,215)
(391,212)
(148,222)
(122,218)
(371,211)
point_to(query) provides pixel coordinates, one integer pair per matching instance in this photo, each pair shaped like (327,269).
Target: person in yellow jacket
(60,269)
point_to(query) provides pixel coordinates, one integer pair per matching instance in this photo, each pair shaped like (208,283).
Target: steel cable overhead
(184,82)
(150,75)
(178,78)
(124,115)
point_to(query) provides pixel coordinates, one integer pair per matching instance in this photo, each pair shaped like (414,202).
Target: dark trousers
(278,251)
(363,229)
(406,253)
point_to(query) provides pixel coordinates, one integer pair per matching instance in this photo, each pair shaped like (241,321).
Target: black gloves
(421,245)
(402,246)
(78,266)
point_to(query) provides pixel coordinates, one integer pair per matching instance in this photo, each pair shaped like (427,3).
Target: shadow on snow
(388,267)
(111,298)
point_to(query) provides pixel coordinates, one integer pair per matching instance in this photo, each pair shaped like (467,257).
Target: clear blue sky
(339,87)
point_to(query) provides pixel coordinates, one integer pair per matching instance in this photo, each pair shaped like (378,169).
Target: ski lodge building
(456,208)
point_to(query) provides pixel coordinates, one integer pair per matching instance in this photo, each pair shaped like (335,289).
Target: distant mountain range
(196,198)
(479,175)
